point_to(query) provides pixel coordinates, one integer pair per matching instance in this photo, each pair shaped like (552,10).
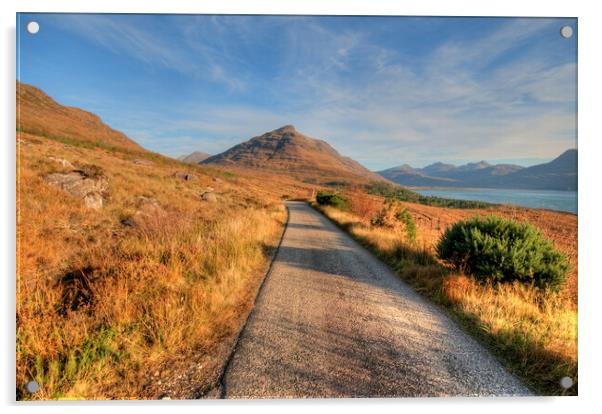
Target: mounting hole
(32,387)
(33,27)
(566,31)
(566,382)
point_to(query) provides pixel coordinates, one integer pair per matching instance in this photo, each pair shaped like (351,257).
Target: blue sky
(382,90)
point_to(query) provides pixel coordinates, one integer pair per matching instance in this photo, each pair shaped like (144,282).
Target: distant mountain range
(194,157)
(287,151)
(558,174)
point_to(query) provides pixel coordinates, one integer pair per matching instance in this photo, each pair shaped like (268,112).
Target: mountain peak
(287,129)
(288,150)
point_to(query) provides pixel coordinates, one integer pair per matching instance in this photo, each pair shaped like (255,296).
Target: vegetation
(391,214)
(403,194)
(101,305)
(86,144)
(500,250)
(410,227)
(532,330)
(330,199)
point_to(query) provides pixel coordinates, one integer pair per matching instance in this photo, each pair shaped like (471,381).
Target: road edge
(219,385)
(456,319)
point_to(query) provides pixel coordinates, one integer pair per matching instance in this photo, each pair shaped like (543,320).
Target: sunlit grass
(100,304)
(534,332)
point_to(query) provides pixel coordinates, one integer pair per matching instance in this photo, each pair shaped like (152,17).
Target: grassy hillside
(156,276)
(39,114)
(134,271)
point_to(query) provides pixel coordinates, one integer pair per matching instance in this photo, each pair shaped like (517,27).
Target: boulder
(185,176)
(209,196)
(143,162)
(148,206)
(61,161)
(92,190)
(128,222)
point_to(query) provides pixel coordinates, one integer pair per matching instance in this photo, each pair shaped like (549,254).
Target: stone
(143,162)
(128,222)
(185,176)
(148,206)
(61,161)
(92,190)
(209,196)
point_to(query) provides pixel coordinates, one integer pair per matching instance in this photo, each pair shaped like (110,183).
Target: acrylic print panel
(222,206)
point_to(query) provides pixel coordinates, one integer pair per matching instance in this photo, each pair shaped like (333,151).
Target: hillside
(558,174)
(289,151)
(194,157)
(130,263)
(39,114)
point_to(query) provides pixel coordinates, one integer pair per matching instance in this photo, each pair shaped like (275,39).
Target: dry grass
(101,304)
(533,332)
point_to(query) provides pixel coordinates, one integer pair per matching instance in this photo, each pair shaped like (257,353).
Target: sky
(384,91)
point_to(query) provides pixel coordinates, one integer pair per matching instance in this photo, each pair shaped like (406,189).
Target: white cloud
(373,104)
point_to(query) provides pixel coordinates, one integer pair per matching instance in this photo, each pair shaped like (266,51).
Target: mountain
(194,157)
(38,113)
(558,174)
(288,151)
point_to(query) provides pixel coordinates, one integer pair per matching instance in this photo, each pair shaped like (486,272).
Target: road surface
(333,321)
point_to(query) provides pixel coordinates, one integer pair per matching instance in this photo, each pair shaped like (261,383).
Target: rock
(143,162)
(185,176)
(61,161)
(148,206)
(94,200)
(92,190)
(216,180)
(128,222)
(209,196)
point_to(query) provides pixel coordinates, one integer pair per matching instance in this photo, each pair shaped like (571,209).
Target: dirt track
(333,321)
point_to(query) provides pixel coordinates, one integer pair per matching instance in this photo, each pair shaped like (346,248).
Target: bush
(392,215)
(335,200)
(502,251)
(410,226)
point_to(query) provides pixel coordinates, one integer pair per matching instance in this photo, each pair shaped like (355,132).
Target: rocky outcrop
(92,189)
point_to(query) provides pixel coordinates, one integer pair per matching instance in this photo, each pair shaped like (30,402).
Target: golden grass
(100,305)
(533,332)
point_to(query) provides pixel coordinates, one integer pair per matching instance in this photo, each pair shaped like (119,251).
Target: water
(553,200)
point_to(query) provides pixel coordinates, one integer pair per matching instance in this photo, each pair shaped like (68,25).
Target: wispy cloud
(491,96)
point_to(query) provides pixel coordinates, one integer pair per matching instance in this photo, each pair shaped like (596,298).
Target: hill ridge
(37,112)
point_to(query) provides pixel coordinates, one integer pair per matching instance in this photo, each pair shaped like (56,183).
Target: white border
(589,190)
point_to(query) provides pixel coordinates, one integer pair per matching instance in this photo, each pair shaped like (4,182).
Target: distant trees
(403,194)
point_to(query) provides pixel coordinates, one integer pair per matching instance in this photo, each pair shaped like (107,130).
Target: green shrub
(410,226)
(329,199)
(502,250)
